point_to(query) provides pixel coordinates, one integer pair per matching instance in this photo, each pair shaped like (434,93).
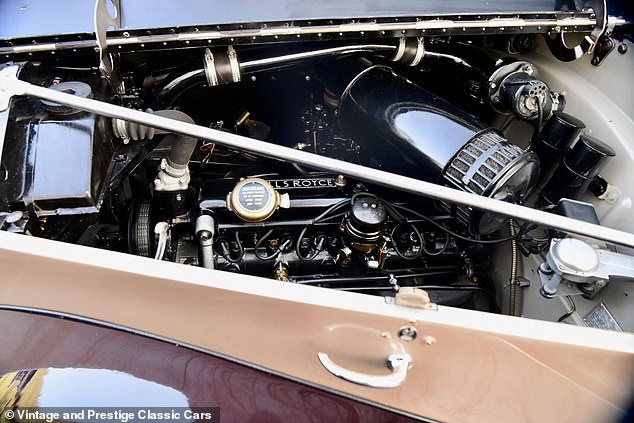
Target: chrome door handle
(398,363)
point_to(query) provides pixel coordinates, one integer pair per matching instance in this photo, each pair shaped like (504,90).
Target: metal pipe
(261,64)
(11,86)
(167,94)
(205,233)
(207,252)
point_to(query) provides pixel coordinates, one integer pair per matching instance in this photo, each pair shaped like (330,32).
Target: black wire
(570,312)
(332,209)
(334,216)
(239,244)
(540,116)
(439,252)
(395,244)
(259,244)
(227,256)
(297,247)
(456,235)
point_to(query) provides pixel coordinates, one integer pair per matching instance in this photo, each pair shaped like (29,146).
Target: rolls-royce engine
(116,184)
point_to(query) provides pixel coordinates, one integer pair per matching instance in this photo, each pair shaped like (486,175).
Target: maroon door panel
(243,394)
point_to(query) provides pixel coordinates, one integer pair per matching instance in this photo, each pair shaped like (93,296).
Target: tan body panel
(467,366)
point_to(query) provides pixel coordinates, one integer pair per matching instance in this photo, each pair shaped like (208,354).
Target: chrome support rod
(11,86)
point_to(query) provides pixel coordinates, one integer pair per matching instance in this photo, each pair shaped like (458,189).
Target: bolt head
(429,340)
(407,333)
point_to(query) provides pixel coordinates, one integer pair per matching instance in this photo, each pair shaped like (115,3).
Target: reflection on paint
(71,387)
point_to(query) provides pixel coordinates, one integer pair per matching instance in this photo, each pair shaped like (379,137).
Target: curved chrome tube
(167,95)
(262,64)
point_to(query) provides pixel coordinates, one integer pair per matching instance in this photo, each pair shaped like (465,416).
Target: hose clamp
(235,66)
(210,68)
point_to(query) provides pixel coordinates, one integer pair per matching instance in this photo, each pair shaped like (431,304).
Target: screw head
(622,48)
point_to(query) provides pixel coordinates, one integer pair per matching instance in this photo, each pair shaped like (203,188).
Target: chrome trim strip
(445,26)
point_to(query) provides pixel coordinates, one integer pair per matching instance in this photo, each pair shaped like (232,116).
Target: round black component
(253,196)
(521,93)
(80,89)
(587,156)
(524,43)
(560,130)
(556,136)
(365,222)
(598,186)
(576,171)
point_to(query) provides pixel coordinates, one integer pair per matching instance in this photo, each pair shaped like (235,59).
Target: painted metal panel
(92,354)
(467,366)
(25,18)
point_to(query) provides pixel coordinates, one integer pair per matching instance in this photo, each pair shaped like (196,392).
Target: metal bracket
(7,86)
(577,261)
(104,21)
(560,49)
(605,44)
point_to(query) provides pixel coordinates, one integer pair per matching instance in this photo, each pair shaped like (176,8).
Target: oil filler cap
(255,200)
(78,88)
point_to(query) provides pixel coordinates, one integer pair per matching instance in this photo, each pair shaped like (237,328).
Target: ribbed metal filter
(479,167)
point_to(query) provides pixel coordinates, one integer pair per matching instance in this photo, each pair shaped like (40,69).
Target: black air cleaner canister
(403,128)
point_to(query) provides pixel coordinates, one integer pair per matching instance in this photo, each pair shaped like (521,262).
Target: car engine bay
(469,113)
